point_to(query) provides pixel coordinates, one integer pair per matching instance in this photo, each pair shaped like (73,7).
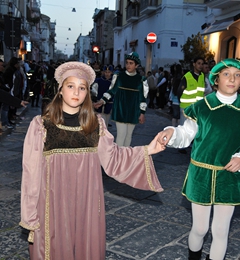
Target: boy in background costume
(129,106)
(99,87)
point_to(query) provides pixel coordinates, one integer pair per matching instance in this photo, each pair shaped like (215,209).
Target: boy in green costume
(213,177)
(130,92)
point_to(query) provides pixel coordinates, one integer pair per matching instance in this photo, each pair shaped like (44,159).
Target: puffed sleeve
(107,96)
(130,165)
(31,175)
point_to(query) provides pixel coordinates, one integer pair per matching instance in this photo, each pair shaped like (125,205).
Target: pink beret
(75,69)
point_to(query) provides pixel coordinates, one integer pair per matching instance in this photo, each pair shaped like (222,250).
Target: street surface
(141,225)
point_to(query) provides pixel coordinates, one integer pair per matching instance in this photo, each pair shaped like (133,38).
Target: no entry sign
(151,37)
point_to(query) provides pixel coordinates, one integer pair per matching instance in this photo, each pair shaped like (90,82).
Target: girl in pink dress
(62,197)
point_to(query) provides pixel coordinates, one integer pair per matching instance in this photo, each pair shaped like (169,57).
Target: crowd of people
(21,82)
(78,101)
(30,81)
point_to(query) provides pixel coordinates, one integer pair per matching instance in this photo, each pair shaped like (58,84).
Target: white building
(82,48)
(222,28)
(173,22)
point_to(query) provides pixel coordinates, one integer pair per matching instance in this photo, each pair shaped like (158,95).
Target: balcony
(35,37)
(132,12)
(117,23)
(32,18)
(148,6)
(221,4)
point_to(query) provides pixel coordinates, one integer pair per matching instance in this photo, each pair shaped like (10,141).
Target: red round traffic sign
(151,37)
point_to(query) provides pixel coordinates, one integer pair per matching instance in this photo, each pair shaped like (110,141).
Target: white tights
(222,215)
(106,118)
(124,134)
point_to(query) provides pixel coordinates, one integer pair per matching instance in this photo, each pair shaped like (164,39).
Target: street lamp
(66,7)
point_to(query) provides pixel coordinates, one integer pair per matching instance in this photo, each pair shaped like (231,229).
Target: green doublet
(128,95)
(216,141)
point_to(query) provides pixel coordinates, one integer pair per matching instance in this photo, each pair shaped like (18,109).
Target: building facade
(222,28)
(172,22)
(104,35)
(82,49)
(25,32)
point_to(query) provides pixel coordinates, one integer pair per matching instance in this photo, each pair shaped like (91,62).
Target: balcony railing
(117,22)
(221,4)
(148,6)
(132,12)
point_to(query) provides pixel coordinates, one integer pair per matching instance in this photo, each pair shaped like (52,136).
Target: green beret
(222,65)
(133,56)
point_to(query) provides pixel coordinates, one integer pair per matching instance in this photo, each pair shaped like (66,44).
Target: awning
(218,26)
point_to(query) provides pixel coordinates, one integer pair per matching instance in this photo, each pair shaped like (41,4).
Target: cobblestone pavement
(140,224)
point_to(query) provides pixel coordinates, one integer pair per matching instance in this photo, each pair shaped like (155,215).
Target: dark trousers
(161,101)
(152,96)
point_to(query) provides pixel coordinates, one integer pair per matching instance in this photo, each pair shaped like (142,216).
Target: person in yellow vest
(191,89)
(192,86)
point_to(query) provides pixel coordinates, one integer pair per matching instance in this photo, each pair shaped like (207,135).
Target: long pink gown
(62,197)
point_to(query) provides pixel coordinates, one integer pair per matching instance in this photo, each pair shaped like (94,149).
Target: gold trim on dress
(47,215)
(70,150)
(29,227)
(147,162)
(69,128)
(31,237)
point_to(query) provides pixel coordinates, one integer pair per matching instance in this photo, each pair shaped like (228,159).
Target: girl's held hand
(165,136)
(155,146)
(233,165)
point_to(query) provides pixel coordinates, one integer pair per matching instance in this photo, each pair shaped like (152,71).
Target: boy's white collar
(226,99)
(130,74)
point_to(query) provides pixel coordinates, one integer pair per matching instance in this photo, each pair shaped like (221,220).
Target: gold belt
(131,89)
(207,166)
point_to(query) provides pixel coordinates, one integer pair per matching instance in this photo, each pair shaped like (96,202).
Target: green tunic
(128,93)
(216,141)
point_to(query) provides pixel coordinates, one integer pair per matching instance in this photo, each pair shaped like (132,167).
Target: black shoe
(194,255)
(8,126)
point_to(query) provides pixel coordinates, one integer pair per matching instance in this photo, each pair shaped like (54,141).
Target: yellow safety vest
(194,90)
